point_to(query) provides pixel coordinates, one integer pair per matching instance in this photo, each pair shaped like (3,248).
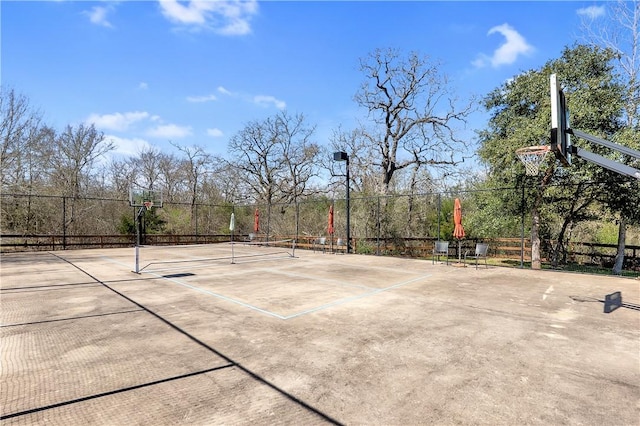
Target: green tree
(619,30)
(520,108)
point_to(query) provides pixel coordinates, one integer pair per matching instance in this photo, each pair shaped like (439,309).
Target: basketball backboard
(560,139)
(139,196)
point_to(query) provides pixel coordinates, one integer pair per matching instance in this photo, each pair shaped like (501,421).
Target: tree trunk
(560,249)
(412,191)
(535,221)
(535,239)
(622,234)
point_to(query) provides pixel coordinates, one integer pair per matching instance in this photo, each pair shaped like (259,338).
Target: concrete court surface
(315,339)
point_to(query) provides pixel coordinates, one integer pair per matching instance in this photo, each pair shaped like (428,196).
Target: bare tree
(172,177)
(121,174)
(196,163)
(75,153)
(414,114)
(147,165)
(19,128)
(620,32)
(363,175)
(72,162)
(299,154)
(276,156)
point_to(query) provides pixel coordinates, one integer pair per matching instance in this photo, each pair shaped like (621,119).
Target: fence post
(64,223)
(298,221)
(522,229)
(378,228)
(268,219)
(438,238)
(196,220)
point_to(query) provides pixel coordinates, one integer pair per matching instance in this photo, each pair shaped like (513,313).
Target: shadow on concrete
(611,302)
(71,318)
(230,361)
(113,392)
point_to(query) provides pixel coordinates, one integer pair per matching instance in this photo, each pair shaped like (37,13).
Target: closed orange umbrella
(256,221)
(458,230)
(330,226)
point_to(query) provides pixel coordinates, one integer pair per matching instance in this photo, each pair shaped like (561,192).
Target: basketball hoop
(148,204)
(532,157)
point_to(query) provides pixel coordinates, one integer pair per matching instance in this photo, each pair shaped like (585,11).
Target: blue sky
(195,73)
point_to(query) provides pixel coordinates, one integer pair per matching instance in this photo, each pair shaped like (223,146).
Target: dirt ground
(314,339)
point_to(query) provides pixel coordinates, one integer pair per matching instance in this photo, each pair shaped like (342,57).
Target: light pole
(342,156)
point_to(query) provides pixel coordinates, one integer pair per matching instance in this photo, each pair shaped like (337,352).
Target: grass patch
(571,267)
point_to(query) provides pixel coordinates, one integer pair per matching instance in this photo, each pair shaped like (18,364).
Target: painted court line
(220,296)
(305,312)
(352,298)
(316,278)
(298,314)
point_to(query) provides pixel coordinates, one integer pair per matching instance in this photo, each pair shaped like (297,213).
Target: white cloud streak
(225,91)
(225,17)
(591,12)
(127,146)
(98,16)
(263,101)
(215,133)
(508,52)
(117,121)
(169,131)
(266,101)
(200,99)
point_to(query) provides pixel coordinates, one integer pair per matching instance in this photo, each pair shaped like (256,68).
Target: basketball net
(148,204)
(532,157)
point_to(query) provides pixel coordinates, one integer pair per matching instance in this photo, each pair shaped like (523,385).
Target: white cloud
(514,46)
(128,147)
(225,91)
(591,12)
(143,86)
(98,15)
(198,99)
(260,100)
(265,101)
(226,17)
(480,61)
(169,131)
(215,133)
(117,121)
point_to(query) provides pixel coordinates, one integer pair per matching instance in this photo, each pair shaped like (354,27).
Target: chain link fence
(384,225)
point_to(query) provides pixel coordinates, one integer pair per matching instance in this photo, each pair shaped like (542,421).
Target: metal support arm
(603,142)
(607,163)
(601,161)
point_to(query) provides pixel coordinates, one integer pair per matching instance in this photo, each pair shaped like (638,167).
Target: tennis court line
(286,317)
(352,298)
(117,262)
(220,296)
(210,293)
(298,314)
(317,278)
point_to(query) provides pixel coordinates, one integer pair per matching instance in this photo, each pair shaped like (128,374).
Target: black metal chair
(481,252)
(441,249)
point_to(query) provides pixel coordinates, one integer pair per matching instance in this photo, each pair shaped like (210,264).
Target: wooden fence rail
(502,248)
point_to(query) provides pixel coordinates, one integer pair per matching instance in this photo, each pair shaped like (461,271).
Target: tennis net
(168,258)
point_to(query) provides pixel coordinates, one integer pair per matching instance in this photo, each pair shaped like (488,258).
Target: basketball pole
(138,239)
(137,255)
